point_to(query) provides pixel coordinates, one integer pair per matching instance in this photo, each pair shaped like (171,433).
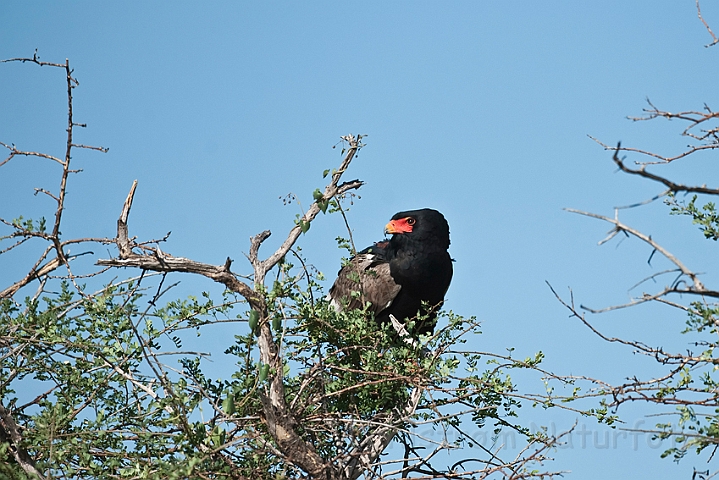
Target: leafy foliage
(87,377)
(106,379)
(706,217)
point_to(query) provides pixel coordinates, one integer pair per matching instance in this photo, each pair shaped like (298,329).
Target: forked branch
(277,414)
(48,263)
(697,286)
(642,172)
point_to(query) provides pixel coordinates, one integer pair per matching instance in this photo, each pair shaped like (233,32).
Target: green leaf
(264,370)
(254,320)
(228,404)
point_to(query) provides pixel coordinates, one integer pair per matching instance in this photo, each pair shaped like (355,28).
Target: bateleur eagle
(405,276)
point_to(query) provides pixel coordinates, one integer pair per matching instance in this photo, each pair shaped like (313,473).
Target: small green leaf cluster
(705,216)
(322,202)
(689,384)
(29,225)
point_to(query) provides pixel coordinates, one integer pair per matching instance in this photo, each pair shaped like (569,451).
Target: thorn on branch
(698,287)
(89,147)
(649,260)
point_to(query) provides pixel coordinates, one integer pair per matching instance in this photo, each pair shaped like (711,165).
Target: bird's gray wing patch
(365,279)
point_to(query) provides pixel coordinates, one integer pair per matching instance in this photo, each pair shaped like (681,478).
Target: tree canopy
(102,374)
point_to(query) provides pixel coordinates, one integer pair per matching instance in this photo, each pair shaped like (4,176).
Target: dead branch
(36,271)
(35,59)
(402,332)
(620,227)
(715,40)
(570,306)
(14,151)
(156,260)
(278,416)
(707,136)
(632,303)
(641,171)
(333,190)
(123,242)
(56,244)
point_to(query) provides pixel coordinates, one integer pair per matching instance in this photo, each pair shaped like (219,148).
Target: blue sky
(478,109)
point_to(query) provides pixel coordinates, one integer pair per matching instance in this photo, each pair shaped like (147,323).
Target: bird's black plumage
(404,276)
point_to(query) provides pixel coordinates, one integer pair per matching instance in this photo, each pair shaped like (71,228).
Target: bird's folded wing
(371,280)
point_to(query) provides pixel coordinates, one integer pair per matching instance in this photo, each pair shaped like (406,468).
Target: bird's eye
(410,221)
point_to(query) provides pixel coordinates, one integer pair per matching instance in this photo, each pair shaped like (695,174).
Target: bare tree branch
(620,227)
(715,40)
(54,236)
(278,416)
(641,171)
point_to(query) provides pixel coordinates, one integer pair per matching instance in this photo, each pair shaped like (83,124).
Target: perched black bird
(398,275)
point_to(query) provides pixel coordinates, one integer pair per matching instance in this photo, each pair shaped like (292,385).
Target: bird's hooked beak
(398,226)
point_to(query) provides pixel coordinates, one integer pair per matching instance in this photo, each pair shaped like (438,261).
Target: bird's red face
(400,225)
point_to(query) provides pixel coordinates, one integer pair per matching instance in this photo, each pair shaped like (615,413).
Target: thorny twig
(57,245)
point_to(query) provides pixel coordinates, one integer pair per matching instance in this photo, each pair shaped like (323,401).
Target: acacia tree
(688,384)
(98,378)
